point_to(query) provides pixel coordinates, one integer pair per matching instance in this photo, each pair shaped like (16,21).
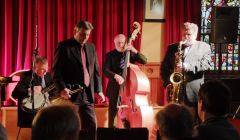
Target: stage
(8,118)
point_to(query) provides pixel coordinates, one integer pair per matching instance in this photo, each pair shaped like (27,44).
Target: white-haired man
(194,59)
(113,69)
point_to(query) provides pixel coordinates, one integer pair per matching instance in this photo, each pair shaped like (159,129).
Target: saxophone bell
(176,78)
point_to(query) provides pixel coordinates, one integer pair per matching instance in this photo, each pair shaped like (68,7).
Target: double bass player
(113,68)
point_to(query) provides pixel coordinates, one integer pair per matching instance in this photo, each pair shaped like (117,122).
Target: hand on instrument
(183,67)
(178,56)
(179,67)
(119,79)
(102,97)
(37,89)
(131,48)
(65,93)
(178,62)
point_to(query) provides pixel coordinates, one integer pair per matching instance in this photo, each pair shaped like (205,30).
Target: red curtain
(27,24)
(178,12)
(55,20)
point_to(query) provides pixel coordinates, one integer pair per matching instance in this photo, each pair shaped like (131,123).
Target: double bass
(133,108)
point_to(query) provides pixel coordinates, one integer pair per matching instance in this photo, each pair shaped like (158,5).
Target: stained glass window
(229,52)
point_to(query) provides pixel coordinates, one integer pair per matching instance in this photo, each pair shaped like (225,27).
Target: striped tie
(122,62)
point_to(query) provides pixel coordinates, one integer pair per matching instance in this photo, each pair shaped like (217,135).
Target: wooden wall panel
(152,70)
(8,117)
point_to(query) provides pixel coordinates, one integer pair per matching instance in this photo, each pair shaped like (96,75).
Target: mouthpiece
(183,42)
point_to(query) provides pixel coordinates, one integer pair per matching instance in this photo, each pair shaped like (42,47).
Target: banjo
(42,99)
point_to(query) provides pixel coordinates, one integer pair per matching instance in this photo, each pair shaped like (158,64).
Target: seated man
(214,99)
(22,92)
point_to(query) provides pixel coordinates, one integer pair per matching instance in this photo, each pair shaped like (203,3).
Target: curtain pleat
(23,22)
(55,20)
(176,13)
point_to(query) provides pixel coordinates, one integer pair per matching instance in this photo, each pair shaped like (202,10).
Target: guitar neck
(49,88)
(80,88)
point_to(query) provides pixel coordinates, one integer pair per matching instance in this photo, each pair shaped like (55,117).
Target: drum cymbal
(5,80)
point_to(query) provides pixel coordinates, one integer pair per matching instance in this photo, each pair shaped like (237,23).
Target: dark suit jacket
(21,92)
(112,67)
(198,58)
(67,67)
(218,128)
(168,63)
(3,133)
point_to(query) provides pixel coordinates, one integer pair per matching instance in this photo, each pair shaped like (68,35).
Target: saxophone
(176,78)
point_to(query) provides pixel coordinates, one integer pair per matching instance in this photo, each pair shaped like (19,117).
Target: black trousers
(88,121)
(87,116)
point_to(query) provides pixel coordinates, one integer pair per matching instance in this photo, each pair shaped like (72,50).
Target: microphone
(36,50)
(183,42)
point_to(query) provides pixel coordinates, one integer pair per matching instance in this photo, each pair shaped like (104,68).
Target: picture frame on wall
(154,11)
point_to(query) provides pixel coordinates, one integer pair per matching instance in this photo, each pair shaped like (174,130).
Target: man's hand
(37,89)
(65,93)
(179,67)
(178,63)
(131,48)
(119,79)
(102,97)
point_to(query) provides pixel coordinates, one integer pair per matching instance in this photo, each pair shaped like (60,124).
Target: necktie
(43,83)
(85,71)
(46,93)
(122,62)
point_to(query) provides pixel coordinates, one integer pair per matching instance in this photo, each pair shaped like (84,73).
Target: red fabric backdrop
(55,20)
(178,12)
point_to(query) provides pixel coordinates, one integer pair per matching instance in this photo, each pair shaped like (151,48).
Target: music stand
(3,82)
(1,94)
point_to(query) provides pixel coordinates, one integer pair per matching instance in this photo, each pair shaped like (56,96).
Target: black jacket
(218,128)
(112,66)
(21,92)
(67,67)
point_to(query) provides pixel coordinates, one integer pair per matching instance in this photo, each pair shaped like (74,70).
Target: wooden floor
(8,118)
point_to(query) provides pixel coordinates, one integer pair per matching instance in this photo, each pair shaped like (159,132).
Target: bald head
(120,41)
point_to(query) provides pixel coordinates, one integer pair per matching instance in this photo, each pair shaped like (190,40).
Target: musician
(76,62)
(113,68)
(195,60)
(41,79)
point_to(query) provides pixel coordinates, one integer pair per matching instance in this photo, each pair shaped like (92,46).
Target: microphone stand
(31,84)
(35,53)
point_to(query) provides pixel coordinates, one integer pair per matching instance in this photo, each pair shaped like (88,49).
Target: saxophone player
(190,58)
